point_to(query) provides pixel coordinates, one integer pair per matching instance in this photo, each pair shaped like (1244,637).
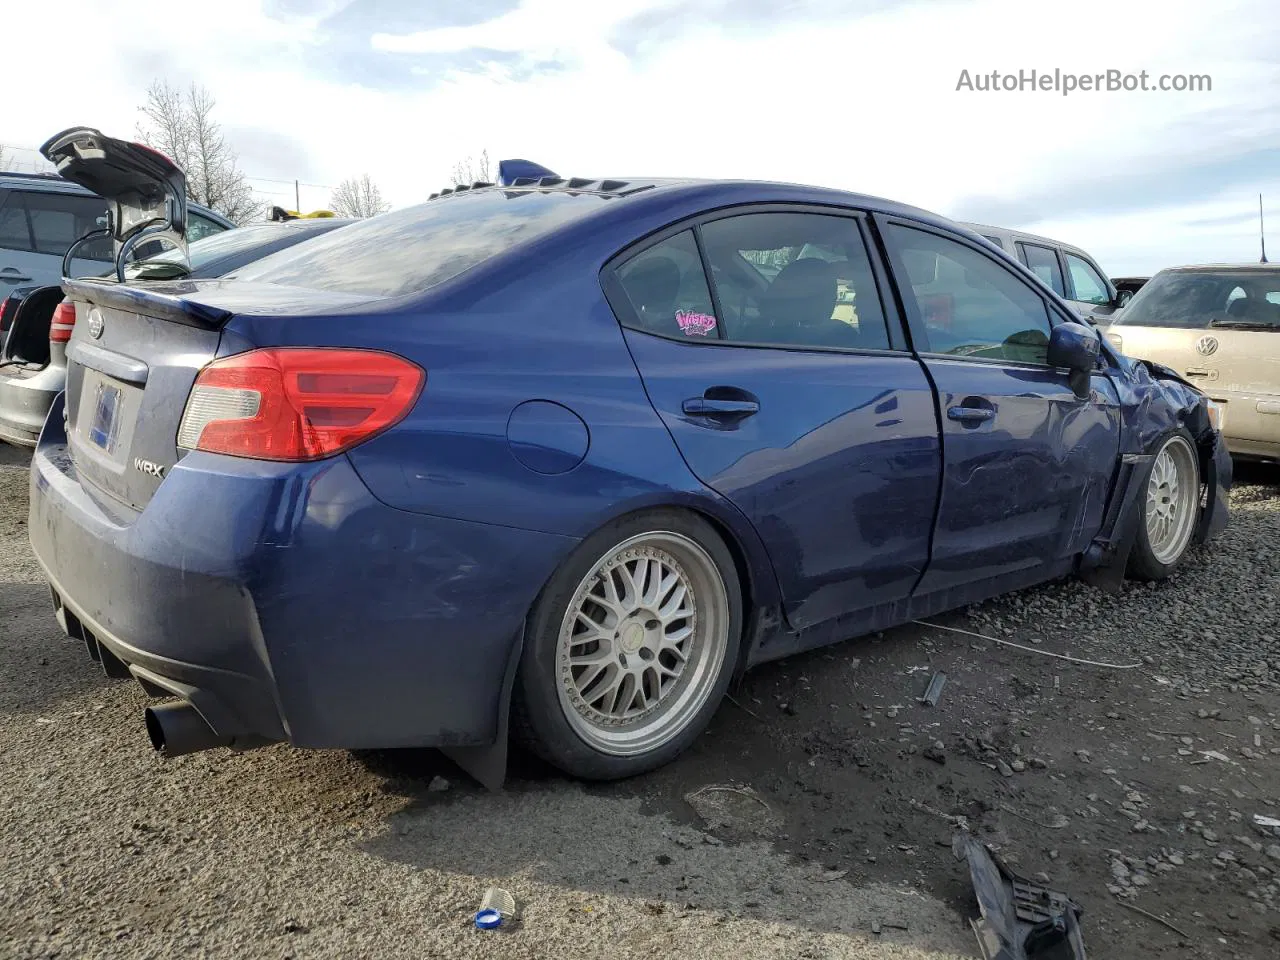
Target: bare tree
(358,197)
(180,125)
(4,156)
(473,170)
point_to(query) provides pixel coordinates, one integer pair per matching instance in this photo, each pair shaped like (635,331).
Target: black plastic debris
(1020,920)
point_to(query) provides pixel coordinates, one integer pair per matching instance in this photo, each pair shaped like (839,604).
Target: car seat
(797,306)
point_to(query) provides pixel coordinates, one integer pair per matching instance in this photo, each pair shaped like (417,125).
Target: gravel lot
(1124,786)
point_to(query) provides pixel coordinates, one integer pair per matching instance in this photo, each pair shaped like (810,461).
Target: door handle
(12,273)
(970,414)
(706,407)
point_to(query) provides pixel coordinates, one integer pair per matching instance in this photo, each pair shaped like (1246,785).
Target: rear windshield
(1202,298)
(410,250)
(218,245)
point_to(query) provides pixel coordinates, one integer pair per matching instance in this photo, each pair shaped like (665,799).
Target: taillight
(63,322)
(297,403)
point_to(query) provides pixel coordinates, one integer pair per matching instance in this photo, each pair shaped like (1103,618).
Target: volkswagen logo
(95,324)
(1207,346)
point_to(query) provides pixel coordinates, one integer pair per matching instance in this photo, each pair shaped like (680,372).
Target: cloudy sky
(858,94)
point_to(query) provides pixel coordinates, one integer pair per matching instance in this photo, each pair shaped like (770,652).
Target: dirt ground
(827,834)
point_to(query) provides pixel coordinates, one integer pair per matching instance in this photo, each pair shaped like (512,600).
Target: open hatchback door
(145,191)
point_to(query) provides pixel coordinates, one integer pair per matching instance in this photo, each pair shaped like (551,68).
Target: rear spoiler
(175,309)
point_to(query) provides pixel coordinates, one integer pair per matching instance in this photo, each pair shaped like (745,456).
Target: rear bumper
(285,603)
(1254,449)
(1251,422)
(25,399)
(240,709)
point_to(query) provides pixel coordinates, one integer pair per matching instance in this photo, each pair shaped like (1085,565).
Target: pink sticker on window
(695,324)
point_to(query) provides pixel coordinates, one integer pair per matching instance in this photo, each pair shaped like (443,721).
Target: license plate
(102,433)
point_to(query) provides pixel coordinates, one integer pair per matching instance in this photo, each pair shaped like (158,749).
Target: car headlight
(1215,414)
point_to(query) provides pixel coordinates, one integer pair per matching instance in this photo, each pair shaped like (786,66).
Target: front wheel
(630,647)
(1170,509)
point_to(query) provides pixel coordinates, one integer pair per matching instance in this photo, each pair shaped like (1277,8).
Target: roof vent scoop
(511,170)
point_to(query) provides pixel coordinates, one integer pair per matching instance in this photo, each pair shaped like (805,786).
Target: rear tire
(630,647)
(1170,509)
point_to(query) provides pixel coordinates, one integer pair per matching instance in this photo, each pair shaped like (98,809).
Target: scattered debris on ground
(1152,792)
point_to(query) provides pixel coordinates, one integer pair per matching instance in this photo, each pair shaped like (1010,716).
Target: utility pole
(1262,231)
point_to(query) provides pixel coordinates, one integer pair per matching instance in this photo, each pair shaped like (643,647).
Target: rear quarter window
(408,251)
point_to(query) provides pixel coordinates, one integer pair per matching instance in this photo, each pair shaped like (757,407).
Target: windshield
(218,245)
(1197,299)
(409,250)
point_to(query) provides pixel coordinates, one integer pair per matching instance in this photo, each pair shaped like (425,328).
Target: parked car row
(561,457)
(41,215)
(33,362)
(1214,325)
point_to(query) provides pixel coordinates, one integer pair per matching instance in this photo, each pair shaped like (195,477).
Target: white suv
(1068,270)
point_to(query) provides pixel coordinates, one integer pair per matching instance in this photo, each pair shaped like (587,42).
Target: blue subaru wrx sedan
(564,456)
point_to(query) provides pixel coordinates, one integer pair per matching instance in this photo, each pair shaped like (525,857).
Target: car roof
(39,181)
(1223,267)
(707,194)
(983,228)
(52,183)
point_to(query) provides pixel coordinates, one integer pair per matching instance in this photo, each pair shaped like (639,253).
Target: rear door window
(1043,262)
(795,279)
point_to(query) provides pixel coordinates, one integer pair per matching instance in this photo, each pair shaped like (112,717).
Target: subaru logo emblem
(96,325)
(1207,346)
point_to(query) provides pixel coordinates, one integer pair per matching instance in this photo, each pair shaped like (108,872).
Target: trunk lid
(134,355)
(145,191)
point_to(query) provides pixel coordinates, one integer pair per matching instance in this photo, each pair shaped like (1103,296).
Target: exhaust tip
(175,729)
(155,732)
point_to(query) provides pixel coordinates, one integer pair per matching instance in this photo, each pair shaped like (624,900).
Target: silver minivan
(1071,272)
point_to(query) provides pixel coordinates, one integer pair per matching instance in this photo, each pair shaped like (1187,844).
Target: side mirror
(1075,347)
(1122,297)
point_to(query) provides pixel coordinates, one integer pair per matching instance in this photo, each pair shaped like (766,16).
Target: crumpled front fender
(1154,401)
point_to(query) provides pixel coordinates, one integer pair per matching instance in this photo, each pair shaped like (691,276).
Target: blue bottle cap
(488,919)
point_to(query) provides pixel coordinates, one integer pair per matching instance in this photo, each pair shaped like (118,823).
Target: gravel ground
(848,793)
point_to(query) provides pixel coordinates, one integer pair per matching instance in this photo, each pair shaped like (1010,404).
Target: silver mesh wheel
(642,643)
